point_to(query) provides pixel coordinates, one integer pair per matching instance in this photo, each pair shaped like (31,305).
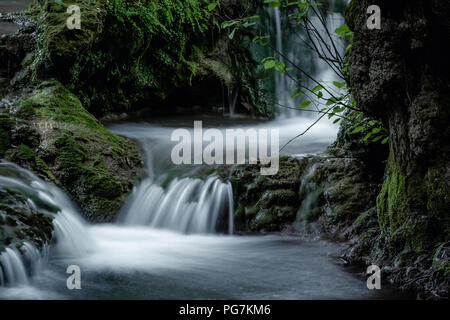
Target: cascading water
(135,259)
(290,42)
(183,204)
(187,205)
(132,260)
(70,234)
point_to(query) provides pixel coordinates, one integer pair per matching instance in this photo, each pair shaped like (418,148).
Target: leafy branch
(336,100)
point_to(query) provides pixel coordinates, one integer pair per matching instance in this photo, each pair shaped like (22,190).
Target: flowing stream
(147,256)
(174,237)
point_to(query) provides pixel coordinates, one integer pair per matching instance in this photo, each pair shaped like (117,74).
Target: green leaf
(358,129)
(342,30)
(377,139)
(272,3)
(304,104)
(385,140)
(367,136)
(331,101)
(212,6)
(339,84)
(280,67)
(376,130)
(269,64)
(317,88)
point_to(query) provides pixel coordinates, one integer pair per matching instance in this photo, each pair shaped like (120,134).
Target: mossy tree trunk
(400,74)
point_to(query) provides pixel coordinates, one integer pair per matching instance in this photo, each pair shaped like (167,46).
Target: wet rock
(22,221)
(58,139)
(266,203)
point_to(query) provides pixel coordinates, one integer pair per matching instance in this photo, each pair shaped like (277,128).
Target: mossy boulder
(65,144)
(130,54)
(266,203)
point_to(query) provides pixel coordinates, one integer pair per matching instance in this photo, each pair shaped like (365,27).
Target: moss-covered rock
(65,144)
(266,203)
(128,54)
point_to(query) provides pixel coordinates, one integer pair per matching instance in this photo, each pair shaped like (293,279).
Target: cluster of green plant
(136,46)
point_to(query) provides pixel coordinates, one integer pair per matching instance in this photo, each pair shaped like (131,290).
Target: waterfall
(12,269)
(233,94)
(311,193)
(290,42)
(230,209)
(282,83)
(70,235)
(187,205)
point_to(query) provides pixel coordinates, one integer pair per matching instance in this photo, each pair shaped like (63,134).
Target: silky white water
(174,236)
(69,229)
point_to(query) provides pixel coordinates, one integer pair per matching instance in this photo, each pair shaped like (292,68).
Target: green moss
(70,158)
(122,49)
(26,111)
(266,202)
(105,186)
(401,197)
(438,194)
(278,197)
(5,133)
(130,52)
(352,13)
(76,152)
(54,102)
(24,153)
(57,44)
(392,200)
(82,170)
(265,219)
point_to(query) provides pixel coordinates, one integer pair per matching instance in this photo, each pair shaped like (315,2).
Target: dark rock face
(14,47)
(400,74)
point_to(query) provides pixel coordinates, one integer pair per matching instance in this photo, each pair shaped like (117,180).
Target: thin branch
(304,132)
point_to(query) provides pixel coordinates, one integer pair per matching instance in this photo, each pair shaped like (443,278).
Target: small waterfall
(70,235)
(230,209)
(311,193)
(282,83)
(187,205)
(12,269)
(233,94)
(289,40)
